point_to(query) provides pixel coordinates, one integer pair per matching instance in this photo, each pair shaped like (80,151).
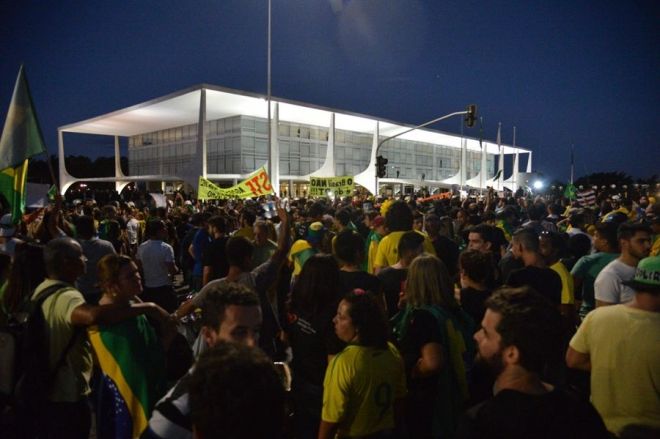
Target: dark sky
(564,72)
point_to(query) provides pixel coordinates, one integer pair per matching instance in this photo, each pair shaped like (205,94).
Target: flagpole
(52,171)
(572,162)
(481,146)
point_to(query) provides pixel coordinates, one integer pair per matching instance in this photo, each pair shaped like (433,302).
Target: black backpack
(25,375)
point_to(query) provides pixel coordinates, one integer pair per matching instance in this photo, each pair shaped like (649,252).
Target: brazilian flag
(21,139)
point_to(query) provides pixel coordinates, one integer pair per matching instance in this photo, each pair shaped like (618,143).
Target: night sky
(564,72)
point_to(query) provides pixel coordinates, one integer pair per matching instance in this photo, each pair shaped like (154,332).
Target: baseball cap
(6,225)
(647,275)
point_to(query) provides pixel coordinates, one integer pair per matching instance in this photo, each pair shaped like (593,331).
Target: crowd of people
(487,316)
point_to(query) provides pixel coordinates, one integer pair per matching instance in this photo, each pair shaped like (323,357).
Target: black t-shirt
(312,339)
(359,279)
(447,251)
(214,255)
(511,414)
(392,280)
(544,280)
(472,302)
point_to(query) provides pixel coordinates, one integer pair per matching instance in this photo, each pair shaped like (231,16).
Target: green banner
(331,186)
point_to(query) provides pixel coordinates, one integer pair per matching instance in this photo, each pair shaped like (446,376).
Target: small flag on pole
(570,191)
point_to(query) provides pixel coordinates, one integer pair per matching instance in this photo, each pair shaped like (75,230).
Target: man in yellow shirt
(620,346)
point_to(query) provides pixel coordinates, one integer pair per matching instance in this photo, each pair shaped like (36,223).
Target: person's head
(476,266)
(316,211)
(411,245)
(119,277)
(26,272)
(647,277)
(378,225)
(231,312)
(552,246)
(349,247)
(236,390)
(605,237)
(361,320)
(261,232)
(85,227)
(577,220)
(524,240)
(432,224)
(217,225)
(428,283)
(316,288)
(418,221)
(343,217)
(399,217)
(64,259)
(156,229)
(315,233)
(481,238)
(239,252)
(248,218)
(520,328)
(578,245)
(635,240)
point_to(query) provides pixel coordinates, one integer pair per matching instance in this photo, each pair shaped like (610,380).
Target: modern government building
(223,135)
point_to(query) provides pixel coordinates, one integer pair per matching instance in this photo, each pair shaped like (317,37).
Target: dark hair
(27,271)
(580,245)
(317,288)
(608,231)
(343,215)
(487,233)
(531,323)
(218,296)
(368,318)
(236,390)
(528,238)
(628,230)
(248,216)
(154,227)
(349,247)
(316,210)
(85,227)
(478,266)
(218,222)
(239,252)
(557,241)
(56,251)
(409,242)
(399,217)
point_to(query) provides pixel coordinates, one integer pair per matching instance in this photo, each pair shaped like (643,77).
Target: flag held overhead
(21,135)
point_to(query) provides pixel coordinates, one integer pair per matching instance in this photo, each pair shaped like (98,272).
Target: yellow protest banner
(337,186)
(256,185)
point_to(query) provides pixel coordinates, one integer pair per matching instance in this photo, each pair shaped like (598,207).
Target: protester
(619,346)
(364,384)
(94,248)
(521,331)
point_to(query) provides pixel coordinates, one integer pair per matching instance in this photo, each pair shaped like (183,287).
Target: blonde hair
(428,283)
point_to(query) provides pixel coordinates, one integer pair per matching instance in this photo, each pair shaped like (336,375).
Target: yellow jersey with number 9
(360,387)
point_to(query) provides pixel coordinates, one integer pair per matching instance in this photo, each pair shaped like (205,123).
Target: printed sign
(337,186)
(256,185)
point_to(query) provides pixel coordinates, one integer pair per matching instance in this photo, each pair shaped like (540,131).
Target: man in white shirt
(156,261)
(635,242)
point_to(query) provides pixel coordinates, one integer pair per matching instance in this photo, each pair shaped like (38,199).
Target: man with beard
(520,334)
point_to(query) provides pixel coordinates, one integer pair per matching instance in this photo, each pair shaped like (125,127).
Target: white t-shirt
(608,286)
(155,256)
(132,231)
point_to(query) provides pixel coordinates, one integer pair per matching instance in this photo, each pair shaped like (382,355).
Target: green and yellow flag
(256,185)
(21,139)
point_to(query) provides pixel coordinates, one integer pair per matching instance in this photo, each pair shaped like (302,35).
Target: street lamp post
(446,116)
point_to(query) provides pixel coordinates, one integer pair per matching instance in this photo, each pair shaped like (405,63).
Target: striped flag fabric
(587,198)
(132,377)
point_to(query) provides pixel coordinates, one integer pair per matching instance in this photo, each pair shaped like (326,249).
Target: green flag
(21,136)
(570,191)
(12,188)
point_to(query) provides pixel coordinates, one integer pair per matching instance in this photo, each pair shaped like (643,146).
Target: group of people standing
(457,319)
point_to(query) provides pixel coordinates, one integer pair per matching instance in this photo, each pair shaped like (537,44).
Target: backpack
(25,375)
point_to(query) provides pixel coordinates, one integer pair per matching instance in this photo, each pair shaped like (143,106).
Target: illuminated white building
(167,141)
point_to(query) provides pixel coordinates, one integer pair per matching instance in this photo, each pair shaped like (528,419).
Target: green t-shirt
(72,380)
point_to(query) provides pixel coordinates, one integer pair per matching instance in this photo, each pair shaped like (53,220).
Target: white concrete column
(367,178)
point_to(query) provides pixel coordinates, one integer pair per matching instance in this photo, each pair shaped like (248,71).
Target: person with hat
(619,346)
(303,249)
(377,232)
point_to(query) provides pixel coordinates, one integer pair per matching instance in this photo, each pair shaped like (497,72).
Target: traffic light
(471,115)
(381,166)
